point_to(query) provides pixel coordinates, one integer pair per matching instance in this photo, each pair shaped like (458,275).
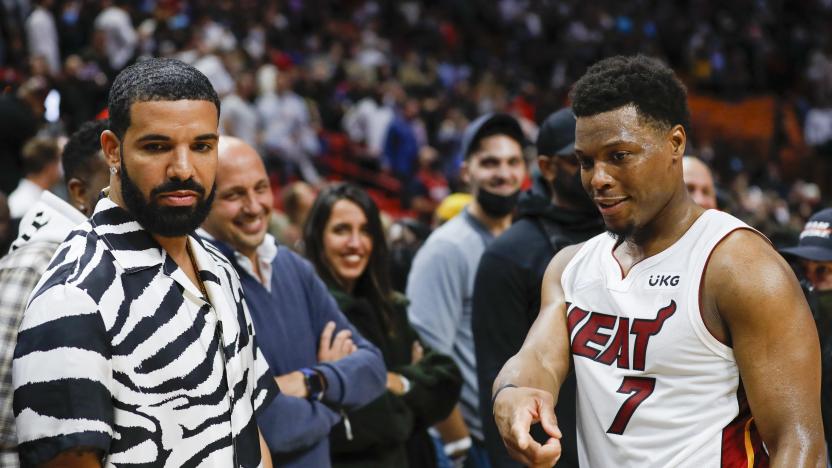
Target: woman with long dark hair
(344,239)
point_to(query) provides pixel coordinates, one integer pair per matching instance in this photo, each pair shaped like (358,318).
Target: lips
(352,259)
(610,205)
(178,198)
(251,225)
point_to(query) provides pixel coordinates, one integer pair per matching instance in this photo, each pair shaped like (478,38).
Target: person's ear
(677,139)
(464,172)
(77,191)
(548,168)
(110,145)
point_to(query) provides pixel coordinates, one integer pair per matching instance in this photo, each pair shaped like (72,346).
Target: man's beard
(166,221)
(622,234)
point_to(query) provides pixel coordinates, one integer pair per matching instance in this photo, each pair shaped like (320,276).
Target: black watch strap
(315,383)
(494,397)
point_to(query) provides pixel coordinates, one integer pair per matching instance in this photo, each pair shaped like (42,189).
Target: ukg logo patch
(663,281)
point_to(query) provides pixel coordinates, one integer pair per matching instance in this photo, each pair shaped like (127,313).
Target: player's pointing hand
(515,411)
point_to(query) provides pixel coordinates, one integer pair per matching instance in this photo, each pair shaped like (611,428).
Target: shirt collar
(267,250)
(266,253)
(131,245)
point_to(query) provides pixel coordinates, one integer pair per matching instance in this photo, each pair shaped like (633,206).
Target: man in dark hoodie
(556,212)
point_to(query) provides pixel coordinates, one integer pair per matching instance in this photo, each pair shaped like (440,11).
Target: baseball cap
(815,241)
(505,122)
(557,134)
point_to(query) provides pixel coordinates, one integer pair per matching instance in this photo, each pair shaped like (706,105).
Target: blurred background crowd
(379,92)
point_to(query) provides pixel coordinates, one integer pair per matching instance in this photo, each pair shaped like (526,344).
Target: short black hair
(644,82)
(38,153)
(83,148)
(156,79)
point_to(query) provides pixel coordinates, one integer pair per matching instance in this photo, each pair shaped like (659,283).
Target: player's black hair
(82,149)
(156,79)
(646,83)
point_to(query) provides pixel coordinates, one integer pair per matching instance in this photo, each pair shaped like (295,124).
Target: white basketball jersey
(655,388)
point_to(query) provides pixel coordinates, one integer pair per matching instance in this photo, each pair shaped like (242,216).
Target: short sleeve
(62,376)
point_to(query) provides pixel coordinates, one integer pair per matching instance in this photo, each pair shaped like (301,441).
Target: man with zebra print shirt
(137,346)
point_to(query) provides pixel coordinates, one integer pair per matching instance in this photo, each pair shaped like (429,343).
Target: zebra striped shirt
(119,351)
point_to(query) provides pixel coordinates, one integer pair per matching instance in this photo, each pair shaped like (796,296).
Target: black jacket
(822,313)
(507,300)
(392,430)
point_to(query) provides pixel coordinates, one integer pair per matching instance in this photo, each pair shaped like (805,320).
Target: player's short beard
(165,221)
(622,234)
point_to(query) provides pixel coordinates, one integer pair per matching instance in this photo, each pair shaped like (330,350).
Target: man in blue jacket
(320,362)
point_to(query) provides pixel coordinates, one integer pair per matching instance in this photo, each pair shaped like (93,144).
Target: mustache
(174,185)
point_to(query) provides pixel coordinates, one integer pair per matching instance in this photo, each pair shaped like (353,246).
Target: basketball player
(682,322)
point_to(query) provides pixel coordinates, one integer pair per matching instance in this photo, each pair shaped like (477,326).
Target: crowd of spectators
(380,91)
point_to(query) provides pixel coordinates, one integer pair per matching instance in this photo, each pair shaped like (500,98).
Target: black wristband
(494,397)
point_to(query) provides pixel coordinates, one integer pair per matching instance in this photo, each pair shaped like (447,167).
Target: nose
(181,167)
(698,197)
(354,241)
(599,178)
(250,204)
(500,175)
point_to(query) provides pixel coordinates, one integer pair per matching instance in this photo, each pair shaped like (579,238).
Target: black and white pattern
(119,351)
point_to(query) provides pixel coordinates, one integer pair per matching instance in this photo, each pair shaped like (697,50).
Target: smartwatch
(315,383)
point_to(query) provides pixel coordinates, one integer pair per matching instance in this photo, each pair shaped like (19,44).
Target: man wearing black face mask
(554,213)
(441,281)
(813,256)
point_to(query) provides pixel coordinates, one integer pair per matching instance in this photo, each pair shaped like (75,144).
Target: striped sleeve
(265,387)
(61,376)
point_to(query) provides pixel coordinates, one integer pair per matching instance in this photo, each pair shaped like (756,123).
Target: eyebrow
(619,142)
(158,137)
(153,137)
(609,144)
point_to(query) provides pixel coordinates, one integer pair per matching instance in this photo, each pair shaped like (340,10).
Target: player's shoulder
(744,263)
(740,248)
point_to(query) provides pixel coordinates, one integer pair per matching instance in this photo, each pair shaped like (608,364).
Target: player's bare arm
(763,315)
(537,371)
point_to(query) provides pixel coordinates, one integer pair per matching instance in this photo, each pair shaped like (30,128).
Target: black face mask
(497,206)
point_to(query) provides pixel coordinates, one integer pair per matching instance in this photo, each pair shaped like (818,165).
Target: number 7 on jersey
(641,388)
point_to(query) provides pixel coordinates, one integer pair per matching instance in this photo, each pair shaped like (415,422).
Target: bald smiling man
(699,181)
(321,363)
